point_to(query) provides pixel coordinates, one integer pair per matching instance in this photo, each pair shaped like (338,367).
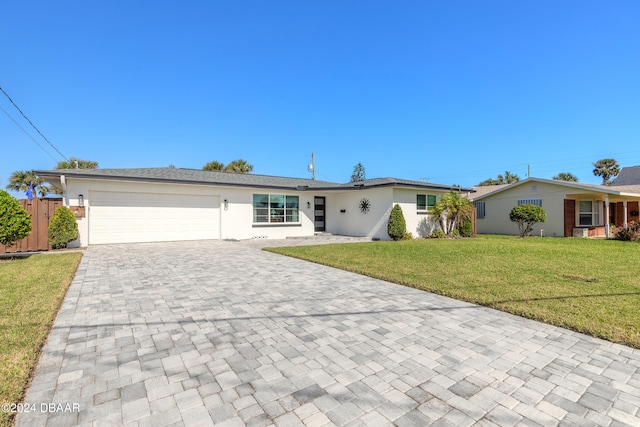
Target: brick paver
(221,333)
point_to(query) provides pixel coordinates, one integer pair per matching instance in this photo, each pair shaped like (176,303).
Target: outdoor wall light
(308,205)
(226,204)
(80,199)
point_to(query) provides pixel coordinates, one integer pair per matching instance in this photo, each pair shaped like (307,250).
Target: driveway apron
(222,333)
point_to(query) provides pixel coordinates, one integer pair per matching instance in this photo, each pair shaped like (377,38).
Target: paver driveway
(204,333)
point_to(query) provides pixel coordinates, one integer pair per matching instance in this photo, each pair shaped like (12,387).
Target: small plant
(396,226)
(437,234)
(63,228)
(407,236)
(526,215)
(15,222)
(631,233)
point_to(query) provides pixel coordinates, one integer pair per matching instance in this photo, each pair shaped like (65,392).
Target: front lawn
(31,291)
(591,286)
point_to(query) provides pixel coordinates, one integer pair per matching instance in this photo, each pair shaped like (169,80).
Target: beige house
(573,209)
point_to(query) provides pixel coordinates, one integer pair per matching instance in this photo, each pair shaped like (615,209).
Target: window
(425,202)
(480,209)
(274,208)
(537,202)
(589,212)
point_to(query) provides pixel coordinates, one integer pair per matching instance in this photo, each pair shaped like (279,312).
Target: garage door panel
(152,217)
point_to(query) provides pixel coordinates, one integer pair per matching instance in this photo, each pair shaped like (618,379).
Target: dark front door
(318,213)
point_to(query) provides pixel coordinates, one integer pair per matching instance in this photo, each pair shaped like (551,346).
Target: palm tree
(214,166)
(565,176)
(81,164)
(508,178)
(239,166)
(20,181)
(451,210)
(607,169)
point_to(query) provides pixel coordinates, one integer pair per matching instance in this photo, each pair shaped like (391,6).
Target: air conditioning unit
(580,232)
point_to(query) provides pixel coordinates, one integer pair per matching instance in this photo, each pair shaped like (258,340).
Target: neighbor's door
(319,213)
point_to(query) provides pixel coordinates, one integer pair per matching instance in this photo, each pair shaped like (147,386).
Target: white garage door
(116,217)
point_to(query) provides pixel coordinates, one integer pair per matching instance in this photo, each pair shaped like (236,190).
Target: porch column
(624,204)
(606,215)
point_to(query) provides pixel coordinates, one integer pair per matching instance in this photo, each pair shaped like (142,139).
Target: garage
(128,217)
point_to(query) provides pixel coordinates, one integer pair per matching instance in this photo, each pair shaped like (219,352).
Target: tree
(239,166)
(607,169)
(82,164)
(15,223)
(63,228)
(451,210)
(526,216)
(20,181)
(359,173)
(566,176)
(213,166)
(396,226)
(508,178)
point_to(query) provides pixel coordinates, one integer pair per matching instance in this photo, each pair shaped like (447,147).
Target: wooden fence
(41,211)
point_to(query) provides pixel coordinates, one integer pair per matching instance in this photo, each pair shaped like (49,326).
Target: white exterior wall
(419,224)
(352,222)
(498,207)
(236,221)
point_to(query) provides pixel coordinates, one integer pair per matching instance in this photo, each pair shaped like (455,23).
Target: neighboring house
(628,176)
(170,204)
(573,209)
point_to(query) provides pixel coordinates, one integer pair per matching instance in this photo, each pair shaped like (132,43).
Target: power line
(27,133)
(32,125)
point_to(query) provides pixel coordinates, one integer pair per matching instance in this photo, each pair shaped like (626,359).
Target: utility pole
(312,167)
(528,171)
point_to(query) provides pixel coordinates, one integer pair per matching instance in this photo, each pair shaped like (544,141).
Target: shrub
(407,236)
(630,234)
(466,227)
(526,215)
(437,234)
(63,228)
(15,222)
(396,226)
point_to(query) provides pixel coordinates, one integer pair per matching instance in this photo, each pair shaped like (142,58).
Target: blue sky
(453,92)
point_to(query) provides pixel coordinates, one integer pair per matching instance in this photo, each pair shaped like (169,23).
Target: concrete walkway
(221,333)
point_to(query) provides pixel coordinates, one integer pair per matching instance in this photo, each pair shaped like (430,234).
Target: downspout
(63,184)
(606,225)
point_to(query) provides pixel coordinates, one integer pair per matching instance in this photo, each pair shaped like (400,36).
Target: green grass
(590,286)
(31,291)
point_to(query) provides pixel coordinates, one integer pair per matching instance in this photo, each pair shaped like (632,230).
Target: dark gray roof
(196,176)
(628,176)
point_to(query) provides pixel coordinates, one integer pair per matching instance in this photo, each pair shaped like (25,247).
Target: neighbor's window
(480,209)
(275,208)
(425,202)
(537,202)
(588,212)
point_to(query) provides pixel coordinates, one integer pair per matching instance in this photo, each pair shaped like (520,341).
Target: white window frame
(426,207)
(271,211)
(595,213)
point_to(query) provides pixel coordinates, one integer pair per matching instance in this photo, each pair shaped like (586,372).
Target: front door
(318,213)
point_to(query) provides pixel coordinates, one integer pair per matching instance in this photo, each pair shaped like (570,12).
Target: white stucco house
(573,209)
(169,204)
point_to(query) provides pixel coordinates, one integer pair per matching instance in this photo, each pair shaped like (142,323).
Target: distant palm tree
(214,166)
(566,176)
(81,164)
(239,166)
(20,181)
(508,178)
(607,169)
